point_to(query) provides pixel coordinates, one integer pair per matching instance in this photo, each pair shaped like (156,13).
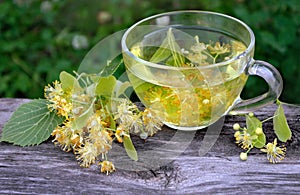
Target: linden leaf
(260,141)
(68,81)
(81,121)
(31,124)
(112,66)
(106,86)
(161,54)
(281,127)
(252,124)
(169,47)
(130,149)
(112,122)
(175,49)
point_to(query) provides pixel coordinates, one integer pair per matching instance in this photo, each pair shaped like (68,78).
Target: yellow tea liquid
(195,95)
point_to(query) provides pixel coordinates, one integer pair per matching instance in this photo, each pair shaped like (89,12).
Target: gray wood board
(171,162)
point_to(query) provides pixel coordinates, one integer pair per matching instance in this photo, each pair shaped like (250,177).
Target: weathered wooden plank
(172,162)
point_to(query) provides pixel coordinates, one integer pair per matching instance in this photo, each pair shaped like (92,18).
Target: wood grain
(172,162)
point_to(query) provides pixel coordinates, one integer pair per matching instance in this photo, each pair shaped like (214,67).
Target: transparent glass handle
(273,79)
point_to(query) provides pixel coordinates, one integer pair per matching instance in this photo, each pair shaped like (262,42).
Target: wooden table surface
(171,162)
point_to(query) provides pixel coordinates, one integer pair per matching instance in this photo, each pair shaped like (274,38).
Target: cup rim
(160,66)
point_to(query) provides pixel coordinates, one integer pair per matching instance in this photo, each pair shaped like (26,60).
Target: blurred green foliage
(38,39)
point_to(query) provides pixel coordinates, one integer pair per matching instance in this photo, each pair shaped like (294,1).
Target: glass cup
(189,67)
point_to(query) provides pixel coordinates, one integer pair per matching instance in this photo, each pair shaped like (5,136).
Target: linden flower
(218,48)
(59,99)
(198,47)
(244,139)
(274,153)
(128,116)
(98,142)
(94,122)
(102,141)
(97,133)
(198,58)
(61,105)
(125,111)
(120,132)
(76,141)
(154,95)
(67,137)
(152,124)
(87,154)
(50,91)
(197,54)
(107,167)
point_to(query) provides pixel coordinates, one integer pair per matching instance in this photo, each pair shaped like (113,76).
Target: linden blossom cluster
(253,136)
(95,117)
(205,54)
(199,54)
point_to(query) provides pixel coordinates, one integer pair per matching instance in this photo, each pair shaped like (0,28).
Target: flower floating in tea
(173,92)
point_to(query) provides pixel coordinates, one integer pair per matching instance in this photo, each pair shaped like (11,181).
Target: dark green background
(36,37)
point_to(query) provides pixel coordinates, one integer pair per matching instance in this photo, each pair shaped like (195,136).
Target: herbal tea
(182,86)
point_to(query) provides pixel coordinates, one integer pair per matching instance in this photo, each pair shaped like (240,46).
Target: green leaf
(252,123)
(112,122)
(106,86)
(80,122)
(161,54)
(175,49)
(68,81)
(260,141)
(281,127)
(169,47)
(130,149)
(112,66)
(31,124)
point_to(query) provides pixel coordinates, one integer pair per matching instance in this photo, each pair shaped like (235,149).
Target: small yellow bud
(243,156)
(236,126)
(251,114)
(258,131)
(237,134)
